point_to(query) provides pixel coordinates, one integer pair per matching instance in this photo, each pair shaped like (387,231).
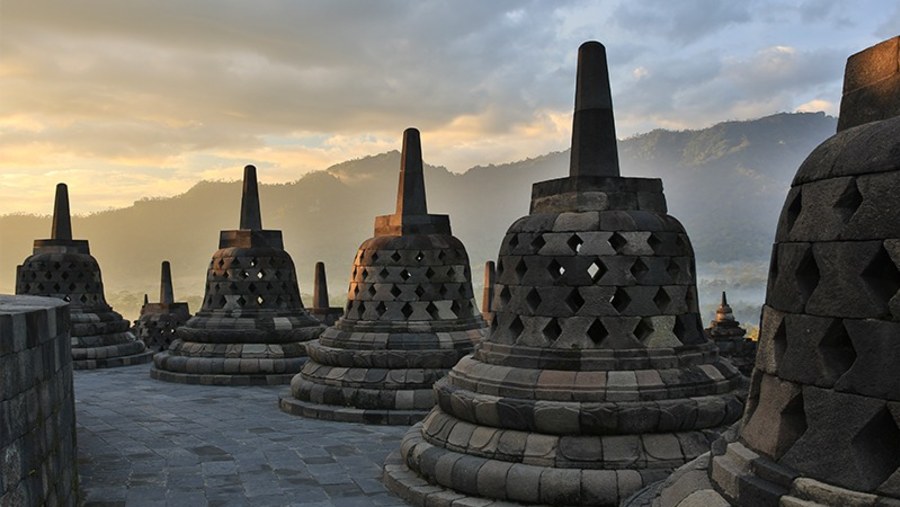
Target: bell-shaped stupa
(596,377)
(158,321)
(822,422)
(252,327)
(726,332)
(410,316)
(64,268)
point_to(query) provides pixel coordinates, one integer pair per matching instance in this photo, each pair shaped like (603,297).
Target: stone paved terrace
(145,442)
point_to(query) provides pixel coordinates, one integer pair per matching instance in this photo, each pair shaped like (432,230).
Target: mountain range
(725,183)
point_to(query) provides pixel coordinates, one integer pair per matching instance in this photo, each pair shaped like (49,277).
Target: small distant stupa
(63,267)
(321,308)
(411,315)
(158,321)
(725,331)
(252,326)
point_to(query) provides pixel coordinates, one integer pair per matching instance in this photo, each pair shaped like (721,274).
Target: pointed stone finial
(488,294)
(594,151)
(166,295)
(62,219)
(250,216)
(320,288)
(724,300)
(411,191)
(146,300)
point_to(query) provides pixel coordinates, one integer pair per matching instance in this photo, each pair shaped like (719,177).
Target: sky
(125,99)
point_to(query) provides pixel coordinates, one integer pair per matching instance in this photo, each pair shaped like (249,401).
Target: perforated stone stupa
(410,316)
(158,321)
(822,422)
(252,327)
(64,268)
(726,332)
(596,377)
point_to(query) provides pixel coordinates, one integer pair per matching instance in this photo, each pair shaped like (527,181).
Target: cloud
(685,22)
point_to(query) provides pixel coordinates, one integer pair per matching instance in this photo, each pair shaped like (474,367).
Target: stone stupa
(321,308)
(410,316)
(822,422)
(64,268)
(158,321)
(596,378)
(252,327)
(726,332)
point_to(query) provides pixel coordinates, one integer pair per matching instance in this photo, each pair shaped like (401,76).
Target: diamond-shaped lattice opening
(575,243)
(808,274)
(260,274)
(443,291)
(574,301)
(48,275)
(405,275)
(533,299)
(260,300)
(521,269)
(374,256)
(505,296)
(429,273)
(372,290)
(384,273)
(552,330)
(643,330)
(779,339)
(881,276)
(837,350)
(407,310)
(253,262)
(662,300)
(513,241)
(420,291)
(365,273)
(361,309)
(877,444)
(617,241)
(65,275)
(793,209)
(597,332)
(451,273)
(380,308)
(56,287)
(596,270)
(463,293)
(639,269)
(71,287)
(356,290)
(791,426)
(499,268)
(555,269)
(395,291)
(441,255)
(516,327)
(456,308)
(849,201)
(620,300)
(432,311)
(420,256)
(653,242)
(67,298)
(537,243)
(674,269)
(396,256)
(232,287)
(241,301)
(245,275)
(251,287)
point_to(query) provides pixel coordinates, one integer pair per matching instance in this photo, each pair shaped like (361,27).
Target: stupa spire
(594,150)
(411,191)
(62,219)
(251,218)
(724,299)
(166,294)
(320,288)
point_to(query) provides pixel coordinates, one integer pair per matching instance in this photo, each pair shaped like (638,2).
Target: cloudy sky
(130,98)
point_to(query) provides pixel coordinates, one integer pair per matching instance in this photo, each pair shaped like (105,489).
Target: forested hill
(725,183)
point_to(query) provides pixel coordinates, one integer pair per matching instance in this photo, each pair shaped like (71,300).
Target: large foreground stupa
(822,422)
(596,377)
(252,327)
(64,268)
(410,316)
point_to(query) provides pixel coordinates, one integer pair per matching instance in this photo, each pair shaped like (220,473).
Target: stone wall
(37,405)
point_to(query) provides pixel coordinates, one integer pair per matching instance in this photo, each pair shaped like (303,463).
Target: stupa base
(272,379)
(111,356)
(397,417)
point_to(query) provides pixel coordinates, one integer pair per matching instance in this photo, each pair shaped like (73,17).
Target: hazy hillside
(725,183)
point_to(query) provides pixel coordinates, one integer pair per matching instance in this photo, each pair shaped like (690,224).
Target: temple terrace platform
(144,442)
